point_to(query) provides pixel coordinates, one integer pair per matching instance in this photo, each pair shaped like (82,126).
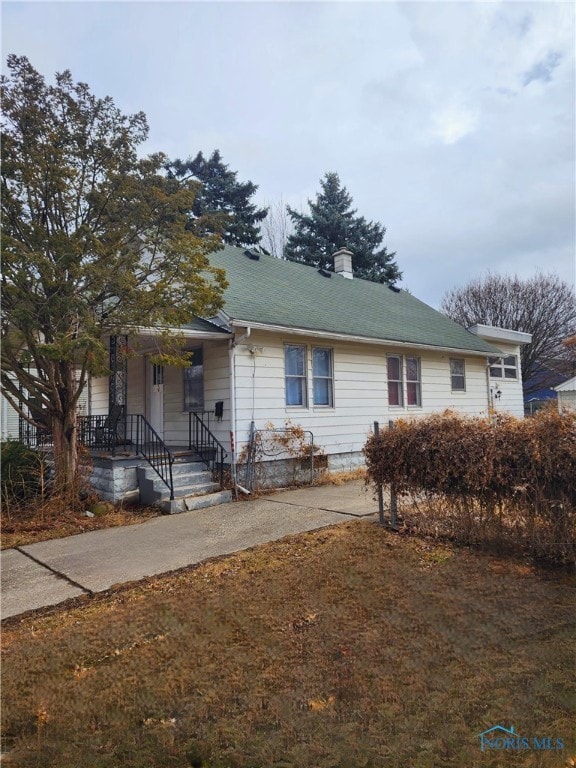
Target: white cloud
(451,123)
(454,123)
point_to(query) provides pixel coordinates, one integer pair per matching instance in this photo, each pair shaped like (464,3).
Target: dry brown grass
(341,476)
(345,647)
(30,527)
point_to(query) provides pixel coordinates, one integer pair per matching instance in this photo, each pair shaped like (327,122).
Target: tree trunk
(65,455)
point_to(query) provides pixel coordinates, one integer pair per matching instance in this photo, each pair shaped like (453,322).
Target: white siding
(99,396)
(360,390)
(136,385)
(567,401)
(511,399)
(9,418)
(216,387)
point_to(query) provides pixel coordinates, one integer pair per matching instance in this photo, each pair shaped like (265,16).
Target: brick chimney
(343,263)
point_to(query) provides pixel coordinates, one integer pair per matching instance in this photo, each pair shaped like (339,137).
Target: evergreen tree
(333,224)
(222,204)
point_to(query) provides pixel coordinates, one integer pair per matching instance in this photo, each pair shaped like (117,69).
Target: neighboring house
(323,350)
(567,395)
(540,389)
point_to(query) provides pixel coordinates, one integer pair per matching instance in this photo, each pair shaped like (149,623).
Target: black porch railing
(33,436)
(206,445)
(132,432)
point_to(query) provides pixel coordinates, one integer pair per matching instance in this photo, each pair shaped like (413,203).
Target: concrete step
(188,503)
(187,477)
(192,482)
(194,489)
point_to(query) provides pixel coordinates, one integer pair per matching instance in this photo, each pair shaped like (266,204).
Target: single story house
(294,346)
(567,395)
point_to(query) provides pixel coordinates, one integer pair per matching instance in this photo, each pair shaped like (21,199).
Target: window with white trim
(413,381)
(458,374)
(295,363)
(395,390)
(322,377)
(503,367)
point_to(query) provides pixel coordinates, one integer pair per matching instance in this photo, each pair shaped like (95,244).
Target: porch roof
(204,326)
(197,328)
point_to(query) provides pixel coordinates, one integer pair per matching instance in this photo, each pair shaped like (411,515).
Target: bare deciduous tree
(544,306)
(276,228)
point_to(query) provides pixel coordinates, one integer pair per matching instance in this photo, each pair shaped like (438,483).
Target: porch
(129,462)
(149,433)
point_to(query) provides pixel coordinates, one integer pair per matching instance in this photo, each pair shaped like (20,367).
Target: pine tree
(333,224)
(222,204)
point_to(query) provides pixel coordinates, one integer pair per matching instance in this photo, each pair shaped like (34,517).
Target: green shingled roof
(276,292)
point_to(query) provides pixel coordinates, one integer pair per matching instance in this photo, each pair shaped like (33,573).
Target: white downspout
(231,353)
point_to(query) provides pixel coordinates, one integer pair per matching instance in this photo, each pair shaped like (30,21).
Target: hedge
(494,476)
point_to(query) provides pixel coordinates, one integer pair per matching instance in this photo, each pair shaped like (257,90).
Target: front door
(156,398)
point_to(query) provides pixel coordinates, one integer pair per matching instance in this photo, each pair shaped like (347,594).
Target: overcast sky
(452,124)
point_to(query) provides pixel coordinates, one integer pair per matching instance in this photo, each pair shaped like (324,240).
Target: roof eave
(187,333)
(360,339)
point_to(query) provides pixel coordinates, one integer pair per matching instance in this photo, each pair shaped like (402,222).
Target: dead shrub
(502,480)
(289,446)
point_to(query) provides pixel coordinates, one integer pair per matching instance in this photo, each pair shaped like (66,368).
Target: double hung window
(323,378)
(296,373)
(404,381)
(413,382)
(457,375)
(395,389)
(295,363)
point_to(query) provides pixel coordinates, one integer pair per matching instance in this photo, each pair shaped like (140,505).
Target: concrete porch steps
(193,486)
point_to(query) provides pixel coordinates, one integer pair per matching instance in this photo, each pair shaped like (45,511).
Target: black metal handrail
(33,436)
(132,431)
(204,442)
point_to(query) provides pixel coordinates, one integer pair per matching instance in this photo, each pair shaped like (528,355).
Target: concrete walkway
(45,574)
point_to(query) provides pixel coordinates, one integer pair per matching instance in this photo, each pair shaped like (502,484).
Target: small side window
(503,367)
(458,375)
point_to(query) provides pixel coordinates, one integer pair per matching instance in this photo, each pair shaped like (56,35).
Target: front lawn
(345,647)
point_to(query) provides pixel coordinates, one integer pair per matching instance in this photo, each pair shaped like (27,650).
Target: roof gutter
(362,339)
(187,333)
